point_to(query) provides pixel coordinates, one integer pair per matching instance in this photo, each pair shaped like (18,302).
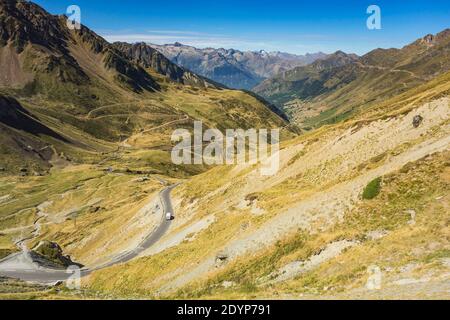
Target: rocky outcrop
(50,254)
(417,121)
(221,258)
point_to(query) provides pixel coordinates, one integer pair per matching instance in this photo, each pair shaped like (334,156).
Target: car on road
(169,216)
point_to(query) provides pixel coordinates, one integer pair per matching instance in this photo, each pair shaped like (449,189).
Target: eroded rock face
(428,39)
(50,254)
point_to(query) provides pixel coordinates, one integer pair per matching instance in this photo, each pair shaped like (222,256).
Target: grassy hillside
(85,152)
(308,231)
(86,134)
(379,232)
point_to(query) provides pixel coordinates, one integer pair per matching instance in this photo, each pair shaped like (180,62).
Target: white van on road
(169,216)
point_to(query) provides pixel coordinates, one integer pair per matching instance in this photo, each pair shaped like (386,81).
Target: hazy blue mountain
(234,68)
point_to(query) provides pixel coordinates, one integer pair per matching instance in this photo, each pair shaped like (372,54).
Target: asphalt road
(50,276)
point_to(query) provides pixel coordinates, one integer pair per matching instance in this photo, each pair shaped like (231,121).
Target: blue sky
(294,26)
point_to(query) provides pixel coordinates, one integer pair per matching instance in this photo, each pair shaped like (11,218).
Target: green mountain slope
(334,88)
(96,94)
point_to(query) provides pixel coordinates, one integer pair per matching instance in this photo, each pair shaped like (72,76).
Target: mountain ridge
(329,90)
(96,94)
(234,68)
(149,57)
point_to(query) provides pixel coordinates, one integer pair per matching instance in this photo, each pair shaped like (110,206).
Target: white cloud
(188,38)
(180,32)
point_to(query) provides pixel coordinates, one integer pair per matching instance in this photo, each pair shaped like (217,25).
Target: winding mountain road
(11,266)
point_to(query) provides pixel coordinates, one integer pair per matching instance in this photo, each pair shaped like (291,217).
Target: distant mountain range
(148,57)
(234,68)
(334,88)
